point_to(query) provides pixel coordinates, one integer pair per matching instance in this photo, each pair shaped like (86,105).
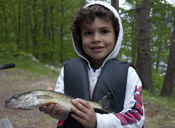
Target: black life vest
(113,79)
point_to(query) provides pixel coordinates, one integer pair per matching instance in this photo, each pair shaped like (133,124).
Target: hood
(116,49)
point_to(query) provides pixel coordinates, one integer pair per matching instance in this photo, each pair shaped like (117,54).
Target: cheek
(111,44)
(84,46)
(85,42)
(111,47)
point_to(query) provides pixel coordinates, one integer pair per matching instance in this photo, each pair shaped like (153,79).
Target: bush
(10,50)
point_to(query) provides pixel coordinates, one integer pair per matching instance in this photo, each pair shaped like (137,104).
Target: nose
(96,38)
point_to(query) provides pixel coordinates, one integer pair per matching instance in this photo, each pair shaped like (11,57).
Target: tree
(115,4)
(168,84)
(143,50)
(5,20)
(19,24)
(161,25)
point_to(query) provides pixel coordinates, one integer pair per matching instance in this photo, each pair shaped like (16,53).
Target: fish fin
(105,103)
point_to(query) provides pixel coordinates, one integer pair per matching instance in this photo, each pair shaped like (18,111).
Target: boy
(97,35)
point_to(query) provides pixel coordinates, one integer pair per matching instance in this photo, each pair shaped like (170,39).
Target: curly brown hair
(87,16)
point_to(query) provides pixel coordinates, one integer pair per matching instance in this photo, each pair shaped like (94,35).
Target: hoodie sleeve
(59,87)
(132,115)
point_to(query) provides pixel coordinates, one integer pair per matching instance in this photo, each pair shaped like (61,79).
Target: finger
(84,103)
(87,120)
(79,106)
(78,109)
(54,109)
(49,88)
(60,111)
(49,108)
(79,119)
(42,108)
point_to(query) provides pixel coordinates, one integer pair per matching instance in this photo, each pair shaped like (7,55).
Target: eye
(87,33)
(104,31)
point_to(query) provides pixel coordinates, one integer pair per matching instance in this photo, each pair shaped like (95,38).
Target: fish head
(22,101)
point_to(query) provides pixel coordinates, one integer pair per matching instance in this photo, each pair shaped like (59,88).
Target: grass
(32,67)
(166,102)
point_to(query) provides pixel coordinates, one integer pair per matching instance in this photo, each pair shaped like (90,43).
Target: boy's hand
(51,109)
(83,113)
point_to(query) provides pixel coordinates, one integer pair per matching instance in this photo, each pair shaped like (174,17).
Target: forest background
(41,28)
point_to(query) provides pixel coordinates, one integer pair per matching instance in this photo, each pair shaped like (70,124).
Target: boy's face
(98,40)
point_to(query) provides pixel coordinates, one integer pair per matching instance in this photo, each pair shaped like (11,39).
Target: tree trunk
(168,85)
(45,28)
(26,29)
(45,19)
(115,4)
(134,47)
(19,23)
(34,29)
(61,35)
(53,33)
(143,38)
(5,21)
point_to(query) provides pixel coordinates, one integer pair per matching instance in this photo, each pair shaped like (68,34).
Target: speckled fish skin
(37,98)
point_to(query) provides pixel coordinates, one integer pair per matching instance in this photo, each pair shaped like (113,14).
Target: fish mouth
(12,107)
(8,106)
(5,105)
(16,107)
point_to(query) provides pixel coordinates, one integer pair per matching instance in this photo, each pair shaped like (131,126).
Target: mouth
(97,48)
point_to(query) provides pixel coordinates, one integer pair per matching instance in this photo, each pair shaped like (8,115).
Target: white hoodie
(132,115)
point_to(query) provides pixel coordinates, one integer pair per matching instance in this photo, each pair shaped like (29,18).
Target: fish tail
(105,103)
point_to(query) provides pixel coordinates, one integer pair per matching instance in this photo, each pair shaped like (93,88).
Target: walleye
(37,98)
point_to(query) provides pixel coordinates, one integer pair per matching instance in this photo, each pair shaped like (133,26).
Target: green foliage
(39,27)
(157,82)
(129,43)
(161,24)
(10,50)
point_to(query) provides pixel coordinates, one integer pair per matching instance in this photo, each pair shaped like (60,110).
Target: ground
(18,81)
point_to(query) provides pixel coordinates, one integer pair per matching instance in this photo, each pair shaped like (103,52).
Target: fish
(36,98)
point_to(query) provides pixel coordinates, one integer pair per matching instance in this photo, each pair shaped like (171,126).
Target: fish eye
(15,96)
